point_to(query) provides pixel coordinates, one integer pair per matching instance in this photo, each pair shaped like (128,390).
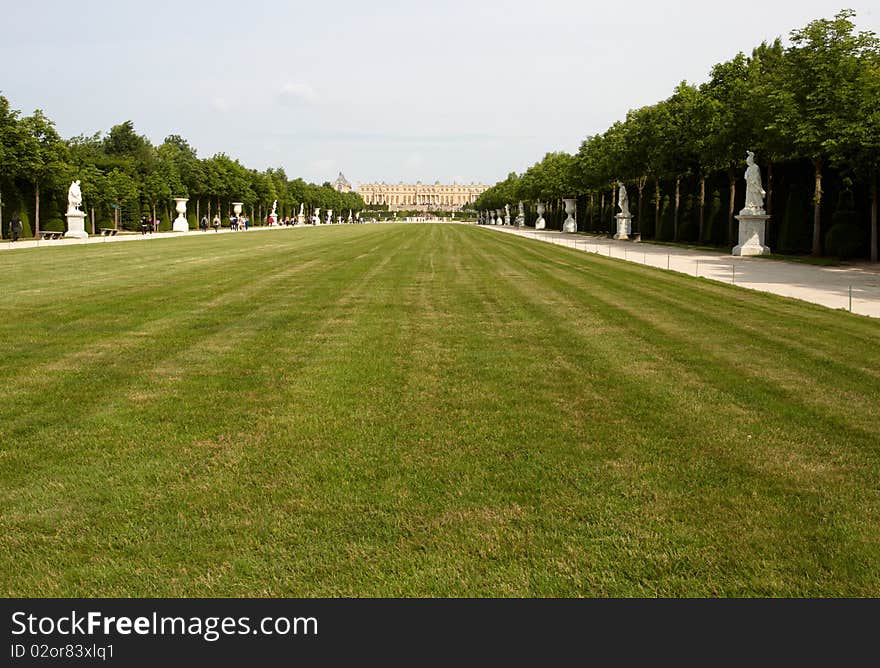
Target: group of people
(235,223)
(15,227)
(149,224)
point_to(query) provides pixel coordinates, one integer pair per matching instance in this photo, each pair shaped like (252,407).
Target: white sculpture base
(569,226)
(180,225)
(76,228)
(301,219)
(540,224)
(751,234)
(624,225)
(520,221)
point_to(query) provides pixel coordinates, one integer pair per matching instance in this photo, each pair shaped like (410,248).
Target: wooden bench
(50,234)
(109,231)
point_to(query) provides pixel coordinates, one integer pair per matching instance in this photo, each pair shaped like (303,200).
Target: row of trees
(123,176)
(811,112)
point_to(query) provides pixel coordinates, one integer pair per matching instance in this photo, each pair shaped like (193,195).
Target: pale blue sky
(381,90)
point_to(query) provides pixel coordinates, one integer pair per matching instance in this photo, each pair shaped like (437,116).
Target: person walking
(15,227)
(217,223)
(203,223)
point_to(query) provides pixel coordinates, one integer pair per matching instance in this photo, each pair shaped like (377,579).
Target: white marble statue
(274,213)
(540,224)
(623,199)
(301,205)
(74,197)
(754,188)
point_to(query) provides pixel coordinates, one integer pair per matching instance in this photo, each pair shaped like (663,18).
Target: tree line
(810,110)
(124,176)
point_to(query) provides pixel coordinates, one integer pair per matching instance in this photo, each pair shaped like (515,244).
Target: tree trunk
(677,203)
(731,208)
(198,219)
(874,218)
(656,206)
(640,184)
(93,220)
(209,211)
(702,208)
(260,209)
(592,206)
(611,211)
(36,208)
(602,212)
(154,213)
(817,208)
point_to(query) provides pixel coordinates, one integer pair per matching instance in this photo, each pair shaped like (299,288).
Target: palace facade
(419,196)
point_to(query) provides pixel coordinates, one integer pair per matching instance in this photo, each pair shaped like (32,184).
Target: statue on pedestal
(75,217)
(752,219)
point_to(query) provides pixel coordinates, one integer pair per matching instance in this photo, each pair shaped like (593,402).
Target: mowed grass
(425,410)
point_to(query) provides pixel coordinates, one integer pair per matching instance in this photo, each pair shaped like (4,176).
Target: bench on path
(50,234)
(109,231)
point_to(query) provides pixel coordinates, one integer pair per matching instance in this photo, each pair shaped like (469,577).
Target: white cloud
(323,166)
(220,104)
(414,160)
(297,93)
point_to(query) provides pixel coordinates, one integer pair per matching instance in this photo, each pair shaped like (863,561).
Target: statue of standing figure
(74,197)
(623,199)
(754,188)
(521,215)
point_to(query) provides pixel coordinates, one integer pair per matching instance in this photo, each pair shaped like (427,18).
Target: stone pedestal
(570,224)
(76,228)
(180,223)
(624,225)
(752,227)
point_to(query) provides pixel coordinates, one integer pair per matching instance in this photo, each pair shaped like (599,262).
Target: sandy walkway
(828,286)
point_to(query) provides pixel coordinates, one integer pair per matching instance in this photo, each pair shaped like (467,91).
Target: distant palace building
(341,184)
(419,197)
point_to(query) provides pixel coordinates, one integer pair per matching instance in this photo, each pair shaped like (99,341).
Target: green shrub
(713,220)
(843,240)
(666,220)
(688,231)
(795,230)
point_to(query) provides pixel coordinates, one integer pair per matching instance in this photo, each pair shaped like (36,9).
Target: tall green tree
(819,100)
(43,158)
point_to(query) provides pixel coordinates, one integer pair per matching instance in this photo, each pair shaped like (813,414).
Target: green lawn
(425,410)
